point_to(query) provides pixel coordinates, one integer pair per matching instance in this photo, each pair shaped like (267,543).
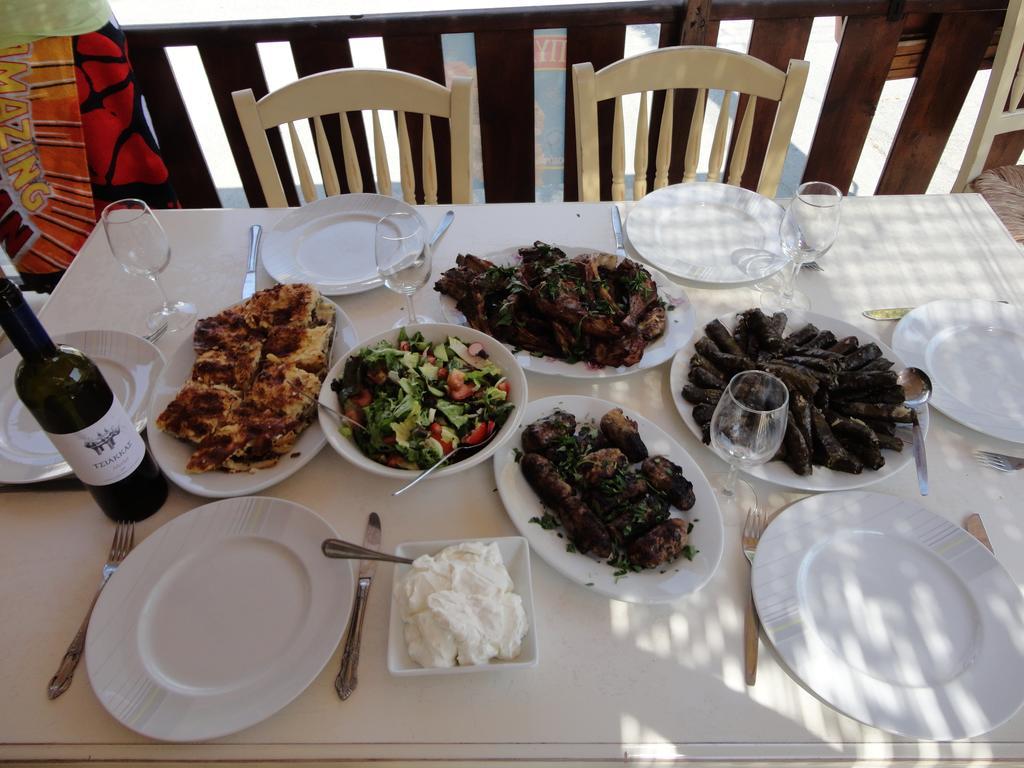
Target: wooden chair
(697,67)
(1000,109)
(348,90)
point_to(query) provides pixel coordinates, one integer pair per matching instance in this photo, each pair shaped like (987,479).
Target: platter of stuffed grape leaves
(848,426)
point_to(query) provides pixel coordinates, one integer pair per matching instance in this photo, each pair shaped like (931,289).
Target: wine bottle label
(106,452)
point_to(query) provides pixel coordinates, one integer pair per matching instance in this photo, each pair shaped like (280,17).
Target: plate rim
(917,357)
(797,664)
(163,445)
(341,603)
(580,370)
(540,540)
(275,240)
(840,481)
(706,191)
(140,416)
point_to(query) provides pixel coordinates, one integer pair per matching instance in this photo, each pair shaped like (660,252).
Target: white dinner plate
(708,232)
(973,351)
(778,472)
(679,328)
(892,615)
(330,243)
(654,585)
(218,619)
(130,365)
(172,454)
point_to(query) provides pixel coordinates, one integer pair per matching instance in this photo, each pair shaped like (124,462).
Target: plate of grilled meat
(234,409)
(609,500)
(847,417)
(568,311)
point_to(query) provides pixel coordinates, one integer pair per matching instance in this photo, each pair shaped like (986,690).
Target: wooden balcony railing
(942,43)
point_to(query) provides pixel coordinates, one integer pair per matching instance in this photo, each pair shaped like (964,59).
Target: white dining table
(615,682)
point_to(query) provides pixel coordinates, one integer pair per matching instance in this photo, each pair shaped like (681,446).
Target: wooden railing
(942,43)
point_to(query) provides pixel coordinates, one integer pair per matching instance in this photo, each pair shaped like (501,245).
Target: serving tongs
(346,550)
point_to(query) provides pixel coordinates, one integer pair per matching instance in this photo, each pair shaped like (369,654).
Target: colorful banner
(46,206)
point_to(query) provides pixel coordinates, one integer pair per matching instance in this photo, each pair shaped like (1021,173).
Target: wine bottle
(67,394)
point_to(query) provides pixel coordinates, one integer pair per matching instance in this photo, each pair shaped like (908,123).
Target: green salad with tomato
(420,400)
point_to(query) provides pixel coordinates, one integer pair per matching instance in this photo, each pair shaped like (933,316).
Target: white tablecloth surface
(615,681)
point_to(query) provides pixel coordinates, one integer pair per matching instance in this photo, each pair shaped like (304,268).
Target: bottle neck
(21,325)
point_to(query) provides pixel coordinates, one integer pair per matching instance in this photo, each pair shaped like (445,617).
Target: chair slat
(718,147)
(327,170)
(664,154)
(640,151)
(618,153)
(353,174)
(381,156)
(1018,87)
(739,155)
(305,179)
(406,169)
(429,164)
(693,140)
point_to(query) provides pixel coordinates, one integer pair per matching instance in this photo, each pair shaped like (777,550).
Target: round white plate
(708,232)
(654,585)
(679,328)
(218,620)
(130,365)
(973,351)
(892,615)
(329,243)
(778,472)
(172,454)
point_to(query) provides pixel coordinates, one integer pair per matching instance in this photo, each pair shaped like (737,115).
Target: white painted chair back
(702,68)
(340,91)
(1005,87)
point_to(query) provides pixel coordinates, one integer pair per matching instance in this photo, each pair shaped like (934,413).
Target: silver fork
(124,540)
(813,265)
(753,528)
(999,461)
(154,337)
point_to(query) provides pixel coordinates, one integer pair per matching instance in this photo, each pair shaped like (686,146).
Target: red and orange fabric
(73,137)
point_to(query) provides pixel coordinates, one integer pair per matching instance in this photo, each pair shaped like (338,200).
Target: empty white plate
(130,365)
(329,243)
(973,351)
(892,614)
(218,619)
(708,232)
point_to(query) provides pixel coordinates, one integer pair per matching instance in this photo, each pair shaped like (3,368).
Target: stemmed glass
(807,232)
(746,430)
(403,258)
(140,246)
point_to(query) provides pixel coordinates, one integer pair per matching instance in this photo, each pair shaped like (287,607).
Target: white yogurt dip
(458,607)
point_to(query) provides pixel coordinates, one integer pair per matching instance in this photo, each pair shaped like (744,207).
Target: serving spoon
(425,473)
(917,391)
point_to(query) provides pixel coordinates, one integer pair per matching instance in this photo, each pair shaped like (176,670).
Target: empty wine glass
(807,232)
(403,258)
(140,246)
(747,430)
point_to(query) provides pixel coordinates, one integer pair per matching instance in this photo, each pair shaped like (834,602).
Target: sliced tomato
(355,413)
(504,387)
(404,346)
(442,373)
(446,447)
(362,398)
(394,460)
(479,433)
(435,431)
(389,440)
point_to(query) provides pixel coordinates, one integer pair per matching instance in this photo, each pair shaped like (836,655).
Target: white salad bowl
(515,552)
(434,332)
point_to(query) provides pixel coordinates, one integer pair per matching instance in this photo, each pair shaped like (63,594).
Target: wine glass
(140,246)
(807,232)
(747,430)
(403,258)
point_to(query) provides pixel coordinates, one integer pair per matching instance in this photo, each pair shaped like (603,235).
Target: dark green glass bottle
(67,394)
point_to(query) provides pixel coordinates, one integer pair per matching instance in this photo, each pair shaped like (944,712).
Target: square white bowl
(515,552)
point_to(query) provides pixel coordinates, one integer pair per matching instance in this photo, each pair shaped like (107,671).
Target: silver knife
(346,681)
(620,249)
(249,284)
(896,313)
